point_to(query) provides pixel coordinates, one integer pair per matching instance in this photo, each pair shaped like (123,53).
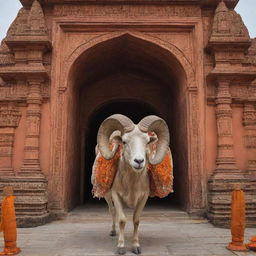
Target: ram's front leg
(121,220)
(112,211)
(136,221)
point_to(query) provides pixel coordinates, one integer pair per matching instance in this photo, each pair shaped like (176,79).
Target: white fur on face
(135,147)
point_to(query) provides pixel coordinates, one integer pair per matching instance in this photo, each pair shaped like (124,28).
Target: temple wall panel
(72,151)
(238,135)
(18,150)
(45,138)
(211,139)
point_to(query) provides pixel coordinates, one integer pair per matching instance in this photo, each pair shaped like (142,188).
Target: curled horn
(157,125)
(108,126)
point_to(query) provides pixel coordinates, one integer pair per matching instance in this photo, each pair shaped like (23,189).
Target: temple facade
(65,65)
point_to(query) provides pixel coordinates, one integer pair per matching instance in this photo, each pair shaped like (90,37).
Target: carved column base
(220,187)
(31,200)
(32,170)
(226,164)
(6,172)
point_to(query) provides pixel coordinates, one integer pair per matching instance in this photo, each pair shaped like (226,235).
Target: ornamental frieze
(6,138)
(239,93)
(250,118)
(6,144)
(249,122)
(9,116)
(252,91)
(250,141)
(19,91)
(126,11)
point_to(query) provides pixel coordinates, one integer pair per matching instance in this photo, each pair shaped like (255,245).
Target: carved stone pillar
(225,148)
(249,121)
(9,120)
(31,162)
(226,174)
(27,42)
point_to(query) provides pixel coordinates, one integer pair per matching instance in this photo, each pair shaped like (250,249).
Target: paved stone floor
(162,232)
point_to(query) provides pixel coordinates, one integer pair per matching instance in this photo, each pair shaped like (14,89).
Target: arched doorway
(127,76)
(128,72)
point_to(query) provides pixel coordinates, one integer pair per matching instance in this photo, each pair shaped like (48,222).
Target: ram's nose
(139,161)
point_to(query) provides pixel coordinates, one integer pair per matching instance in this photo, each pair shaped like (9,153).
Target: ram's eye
(124,142)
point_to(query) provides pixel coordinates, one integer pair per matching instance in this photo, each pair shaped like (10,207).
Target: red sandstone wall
(211,140)
(45,138)
(238,133)
(72,169)
(18,150)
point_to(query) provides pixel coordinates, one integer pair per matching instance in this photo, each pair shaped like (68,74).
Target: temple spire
(228,26)
(221,7)
(36,21)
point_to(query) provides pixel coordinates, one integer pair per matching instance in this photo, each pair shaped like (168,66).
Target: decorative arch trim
(172,49)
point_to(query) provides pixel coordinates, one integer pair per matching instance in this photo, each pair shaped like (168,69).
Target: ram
(131,181)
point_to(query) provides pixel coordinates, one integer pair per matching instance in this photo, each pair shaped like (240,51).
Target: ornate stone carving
(228,43)
(6,57)
(224,127)
(249,121)
(19,25)
(9,120)
(36,21)
(250,141)
(125,11)
(31,162)
(9,116)
(6,143)
(239,92)
(228,25)
(251,56)
(225,155)
(252,91)
(19,91)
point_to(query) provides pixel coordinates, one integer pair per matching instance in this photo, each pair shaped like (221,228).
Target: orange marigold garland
(104,174)
(160,176)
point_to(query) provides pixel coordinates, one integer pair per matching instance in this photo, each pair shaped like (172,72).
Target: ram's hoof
(121,250)
(136,250)
(112,233)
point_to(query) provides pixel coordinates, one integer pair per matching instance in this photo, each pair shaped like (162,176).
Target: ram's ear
(152,139)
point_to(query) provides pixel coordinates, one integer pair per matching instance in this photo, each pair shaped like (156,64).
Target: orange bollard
(8,223)
(252,244)
(237,221)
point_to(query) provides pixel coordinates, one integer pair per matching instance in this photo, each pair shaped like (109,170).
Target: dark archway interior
(136,78)
(134,110)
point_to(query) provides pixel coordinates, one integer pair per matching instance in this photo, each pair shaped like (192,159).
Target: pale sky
(9,9)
